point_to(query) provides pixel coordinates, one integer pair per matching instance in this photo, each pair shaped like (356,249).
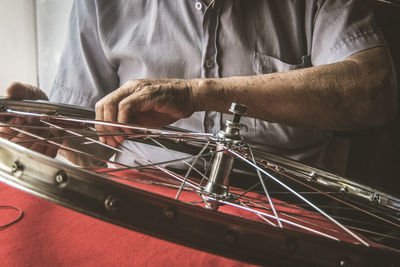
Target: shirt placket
(209,62)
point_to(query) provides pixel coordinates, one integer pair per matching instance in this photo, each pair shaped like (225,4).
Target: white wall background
(32,34)
(17,42)
(52,26)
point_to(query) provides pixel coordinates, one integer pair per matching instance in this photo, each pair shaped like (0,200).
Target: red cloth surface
(289,212)
(51,235)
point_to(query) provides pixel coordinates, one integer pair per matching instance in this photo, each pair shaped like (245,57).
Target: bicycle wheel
(292,215)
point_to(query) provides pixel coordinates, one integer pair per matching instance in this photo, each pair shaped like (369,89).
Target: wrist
(209,94)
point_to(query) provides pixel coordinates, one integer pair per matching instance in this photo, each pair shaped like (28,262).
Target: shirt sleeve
(84,75)
(341,29)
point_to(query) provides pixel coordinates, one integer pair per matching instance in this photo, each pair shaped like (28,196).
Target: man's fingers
(110,112)
(8,132)
(138,109)
(44,148)
(99,117)
(21,91)
(151,103)
(107,110)
(50,151)
(17,90)
(128,107)
(40,146)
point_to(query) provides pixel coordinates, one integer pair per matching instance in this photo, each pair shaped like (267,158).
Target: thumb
(20,91)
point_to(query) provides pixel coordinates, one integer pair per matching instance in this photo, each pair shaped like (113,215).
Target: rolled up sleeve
(85,75)
(343,28)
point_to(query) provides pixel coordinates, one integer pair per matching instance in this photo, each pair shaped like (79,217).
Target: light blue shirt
(111,42)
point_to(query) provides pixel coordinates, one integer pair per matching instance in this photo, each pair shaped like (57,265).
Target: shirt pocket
(264,64)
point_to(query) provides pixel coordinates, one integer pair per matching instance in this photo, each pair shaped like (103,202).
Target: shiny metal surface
(98,194)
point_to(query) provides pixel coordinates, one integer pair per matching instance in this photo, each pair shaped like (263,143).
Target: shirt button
(198,6)
(209,63)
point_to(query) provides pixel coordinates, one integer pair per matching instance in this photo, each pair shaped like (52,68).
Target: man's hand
(20,91)
(148,102)
(346,95)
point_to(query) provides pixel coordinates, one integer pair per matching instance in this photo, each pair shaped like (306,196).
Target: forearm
(353,93)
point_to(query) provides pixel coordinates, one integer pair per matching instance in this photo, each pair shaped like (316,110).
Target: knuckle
(99,106)
(138,85)
(123,106)
(15,84)
(13,87)
(106,103)
(132,84)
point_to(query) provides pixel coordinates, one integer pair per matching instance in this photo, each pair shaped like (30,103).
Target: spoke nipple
(278,169)
(17,166)
(85,126)
(61,178)
(376,198)
(345,263)
(291,246)
(110,203)
(344,189)
(169,212)
(314,177)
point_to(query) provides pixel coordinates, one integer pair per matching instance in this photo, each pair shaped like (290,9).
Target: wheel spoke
(301,197)
(328,214)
